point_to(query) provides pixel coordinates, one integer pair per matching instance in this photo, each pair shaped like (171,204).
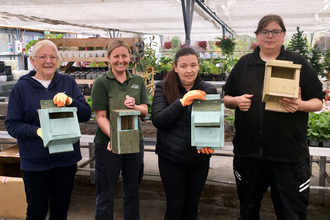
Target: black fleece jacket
(173,123)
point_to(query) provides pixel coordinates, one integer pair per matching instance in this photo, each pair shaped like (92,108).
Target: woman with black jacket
(182,168)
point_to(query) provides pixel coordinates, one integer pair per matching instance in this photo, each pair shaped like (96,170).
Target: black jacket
(173,123)
(265,134)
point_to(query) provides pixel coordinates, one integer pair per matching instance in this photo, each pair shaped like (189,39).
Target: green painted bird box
(124,129)
(59,126)
(207,122)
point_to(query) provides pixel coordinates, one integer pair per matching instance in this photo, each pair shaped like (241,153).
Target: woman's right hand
(190,96)
(206,150)
(109,148)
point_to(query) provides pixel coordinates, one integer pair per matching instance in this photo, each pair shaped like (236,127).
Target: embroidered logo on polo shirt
(135,86)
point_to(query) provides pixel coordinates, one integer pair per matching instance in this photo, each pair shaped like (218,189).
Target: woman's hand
(190,96)
(244,102)
(129,102)
(292,105)
(206,150)
(109,148)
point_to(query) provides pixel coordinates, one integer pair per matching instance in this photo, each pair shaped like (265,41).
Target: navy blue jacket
(270,135)
(22,120)
(173,123)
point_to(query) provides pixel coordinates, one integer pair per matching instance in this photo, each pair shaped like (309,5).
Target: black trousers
(288,182)
(50,188)
(183,184)
(107,170)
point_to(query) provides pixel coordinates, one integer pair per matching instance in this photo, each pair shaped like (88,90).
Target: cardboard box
(12,200)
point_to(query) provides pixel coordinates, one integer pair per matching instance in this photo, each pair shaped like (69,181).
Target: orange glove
(190,96)
(61,100)
(206,150)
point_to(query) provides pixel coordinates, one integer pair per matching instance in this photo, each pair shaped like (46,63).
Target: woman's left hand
(129,102)
(292,105)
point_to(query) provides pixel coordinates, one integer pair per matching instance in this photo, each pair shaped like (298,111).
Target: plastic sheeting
(161,17)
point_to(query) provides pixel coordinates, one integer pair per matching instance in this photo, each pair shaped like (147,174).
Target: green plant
(97,64)
(230,118)
(47,36)
(165,64)
(151,97)
(29,45)
(227,45)
(298,44)
(315,59)
(89,101)
(227,64)
(318,127)
(326,62)
(209,67)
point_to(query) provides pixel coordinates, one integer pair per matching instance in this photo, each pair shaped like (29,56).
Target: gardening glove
(206,150)
(61,100)
(189,97)
(39,132)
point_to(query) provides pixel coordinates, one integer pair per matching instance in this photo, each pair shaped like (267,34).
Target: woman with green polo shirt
(117,83)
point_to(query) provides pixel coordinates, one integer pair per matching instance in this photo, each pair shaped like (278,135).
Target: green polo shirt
(107,86)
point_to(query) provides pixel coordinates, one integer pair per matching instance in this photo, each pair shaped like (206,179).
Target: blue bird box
(207,122)
(124,130)
(59,126)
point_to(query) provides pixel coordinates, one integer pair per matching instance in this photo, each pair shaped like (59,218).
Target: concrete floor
(218,200)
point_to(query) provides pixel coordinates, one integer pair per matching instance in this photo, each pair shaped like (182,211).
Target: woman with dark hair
(182,168)
(271,147)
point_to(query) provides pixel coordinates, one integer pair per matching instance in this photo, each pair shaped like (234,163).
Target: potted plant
(227,45)
(209,70)
(219,74)
(318,129)
(202,45)
(165,65)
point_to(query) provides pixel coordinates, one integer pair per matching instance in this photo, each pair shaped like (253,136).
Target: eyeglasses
(275,33)
(43,58)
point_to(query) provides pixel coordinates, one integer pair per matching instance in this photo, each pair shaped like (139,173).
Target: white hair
(41,43)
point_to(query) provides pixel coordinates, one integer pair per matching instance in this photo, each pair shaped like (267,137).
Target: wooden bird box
(124,130)
(59,126)
(207,122)
(281,81)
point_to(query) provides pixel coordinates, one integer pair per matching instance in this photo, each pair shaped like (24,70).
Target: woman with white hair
(48,178)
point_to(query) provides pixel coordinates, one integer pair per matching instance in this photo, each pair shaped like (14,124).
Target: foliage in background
(298,44)
(326,62)
(315,59)
(138,62)
(253,46)
(89,101)
(149,53)
(168,45)
(165,64)
(176,43)
(47,36)
(324,43)
(149,107)
(227,45)
(208,67)
(318,127)
(202,45)
(97,64)
(230,118)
